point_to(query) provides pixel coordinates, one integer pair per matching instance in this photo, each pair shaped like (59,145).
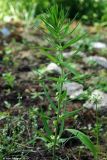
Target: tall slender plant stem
(59,107)
(97,128)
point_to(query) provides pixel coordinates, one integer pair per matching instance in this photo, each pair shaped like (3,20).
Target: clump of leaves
(9,79)
(57,31)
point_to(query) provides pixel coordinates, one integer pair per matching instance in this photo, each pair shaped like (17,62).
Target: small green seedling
(57,32)
(9,79)
(37,95)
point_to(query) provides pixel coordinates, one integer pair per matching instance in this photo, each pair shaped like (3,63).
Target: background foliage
(89,11)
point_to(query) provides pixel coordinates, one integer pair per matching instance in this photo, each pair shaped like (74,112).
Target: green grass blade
(70,68)
(51,57)
(45,123)
(72,41)
(48,97)
(43,137)
(69,114)
(85,140)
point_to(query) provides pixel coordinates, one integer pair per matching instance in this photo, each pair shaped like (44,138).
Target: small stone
(8,18)
(67,54)
(101,98)
(98,59)
(53,67)
(5,31)
(73,89)
(89,126)
(99,45)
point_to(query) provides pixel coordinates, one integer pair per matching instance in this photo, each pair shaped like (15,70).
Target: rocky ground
(21,94)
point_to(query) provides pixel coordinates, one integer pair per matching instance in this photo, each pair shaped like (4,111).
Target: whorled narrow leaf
(48,97)
(69,114)
(51,57)
(45,124)
(70,68)
(72,41)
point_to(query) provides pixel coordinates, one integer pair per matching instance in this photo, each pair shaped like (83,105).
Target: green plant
(10,137)
(9,79)
(22,9)
(37,95)
(96,100)
(16,136)
(57,31)
(90,12)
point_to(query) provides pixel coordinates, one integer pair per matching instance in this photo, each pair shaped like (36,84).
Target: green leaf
(63,96)
(44,48)
(70,68)
(69,114)
(62,140)
(43,137)
(81,77)
(48,97)
(71,42)
(51,57)
(85,140)
(3,115)
(45,123)
(54,79)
